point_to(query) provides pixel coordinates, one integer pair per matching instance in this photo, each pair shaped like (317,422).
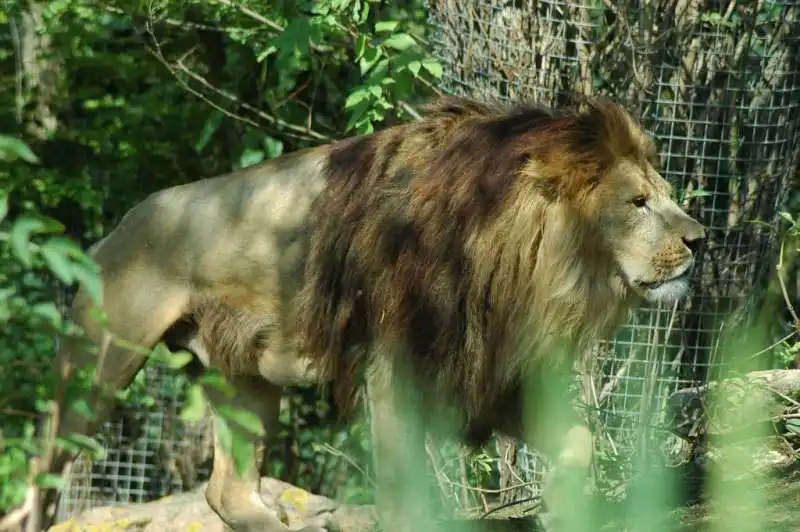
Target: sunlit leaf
(195,405)
(386,26)
(12,149)
(21,232)
(49,480)
(247,419)
(400,41)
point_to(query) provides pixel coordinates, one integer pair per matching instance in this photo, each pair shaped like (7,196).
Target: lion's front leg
(398,441)
(236,498)
(564,492)
(559,433)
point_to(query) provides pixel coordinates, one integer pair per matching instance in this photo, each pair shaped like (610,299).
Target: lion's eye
(639,201)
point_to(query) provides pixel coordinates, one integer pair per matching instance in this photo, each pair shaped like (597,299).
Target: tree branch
(301,132)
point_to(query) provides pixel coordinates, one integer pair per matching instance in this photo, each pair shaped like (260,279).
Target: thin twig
(492,491)
(438,472)
(774,345)
(336,452)
(515,503)
(304,133)
(410,110)
(784,291)
(275,121)
(271,24)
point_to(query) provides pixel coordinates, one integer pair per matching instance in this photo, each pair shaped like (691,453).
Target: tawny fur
(462,236)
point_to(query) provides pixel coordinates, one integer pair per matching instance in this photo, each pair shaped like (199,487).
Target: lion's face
(653,242)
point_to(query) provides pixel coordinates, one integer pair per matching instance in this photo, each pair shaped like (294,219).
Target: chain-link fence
(150,451)
(716,83)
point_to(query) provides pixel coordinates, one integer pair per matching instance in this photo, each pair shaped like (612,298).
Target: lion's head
(480,235)
(652,240)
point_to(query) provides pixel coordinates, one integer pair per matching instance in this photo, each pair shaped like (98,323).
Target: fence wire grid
(150,451)
(716,83)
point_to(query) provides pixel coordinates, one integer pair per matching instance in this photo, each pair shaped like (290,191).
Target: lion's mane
(461,236)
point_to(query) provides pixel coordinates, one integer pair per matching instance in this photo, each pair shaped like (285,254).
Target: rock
(189,512)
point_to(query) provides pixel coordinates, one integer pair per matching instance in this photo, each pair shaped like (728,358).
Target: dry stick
(463,469)
(441,477)
(784,291)
(336,452)
(252,14)
(299,131)
(493,491)
(275,121)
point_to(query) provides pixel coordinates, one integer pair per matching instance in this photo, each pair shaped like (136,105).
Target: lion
(442,263)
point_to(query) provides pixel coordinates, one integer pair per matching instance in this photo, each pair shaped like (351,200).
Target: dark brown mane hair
(430,234)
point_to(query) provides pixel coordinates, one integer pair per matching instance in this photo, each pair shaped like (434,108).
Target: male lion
(467,251)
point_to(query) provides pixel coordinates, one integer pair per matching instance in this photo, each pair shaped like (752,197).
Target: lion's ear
(537,176)
(561,179)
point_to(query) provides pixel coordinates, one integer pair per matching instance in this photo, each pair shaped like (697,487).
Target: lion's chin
(667,291)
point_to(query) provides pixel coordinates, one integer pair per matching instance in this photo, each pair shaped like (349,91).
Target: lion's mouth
(652,285)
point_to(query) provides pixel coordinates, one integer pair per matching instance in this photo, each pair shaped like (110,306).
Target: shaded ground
(190,512)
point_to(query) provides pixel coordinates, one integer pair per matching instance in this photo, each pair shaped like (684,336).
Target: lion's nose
(694,239)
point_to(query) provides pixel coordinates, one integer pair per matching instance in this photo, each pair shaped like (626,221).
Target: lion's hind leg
(236,497)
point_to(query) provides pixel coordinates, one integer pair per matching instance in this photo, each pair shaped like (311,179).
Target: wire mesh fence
(150,451)
(716,83)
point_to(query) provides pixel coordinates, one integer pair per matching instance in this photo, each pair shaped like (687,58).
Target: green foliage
(30,244)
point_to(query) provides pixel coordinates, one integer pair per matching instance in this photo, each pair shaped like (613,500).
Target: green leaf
(209,128)
(21,233)
(295,37)
(414,67)
(49,480)
(48,312)
(793,425)
(81,442)
(376,90)
(433,67)
(250,156)
(223,431)
(272,146)
(400,41)
(195,405)
(215,379)
(698,193)
(361,45)
(82,408)
(356,97)
(243,452)
(386,26)
(243,417)
(85,271)
(357,114)
(12,148)
(3,204)
(173,360)
(269,50)
(55,254)
(788,217)
(379,73)
(370,57)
